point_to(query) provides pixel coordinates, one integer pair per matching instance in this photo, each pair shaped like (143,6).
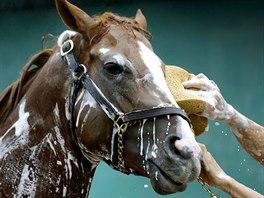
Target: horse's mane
(13,93)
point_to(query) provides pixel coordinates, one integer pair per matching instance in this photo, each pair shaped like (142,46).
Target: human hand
(213,175)
(201,86)
(211,172)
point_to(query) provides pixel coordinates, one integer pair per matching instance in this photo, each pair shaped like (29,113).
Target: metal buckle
(66,47)
(82,73)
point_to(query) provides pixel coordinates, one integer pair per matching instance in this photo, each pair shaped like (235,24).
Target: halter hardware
(66,48)
(121,121)
(121,129)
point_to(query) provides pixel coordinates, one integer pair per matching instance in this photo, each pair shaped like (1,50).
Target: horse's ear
(141,20)
(75,18)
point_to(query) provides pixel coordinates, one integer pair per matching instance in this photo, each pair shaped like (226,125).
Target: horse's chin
(161,182)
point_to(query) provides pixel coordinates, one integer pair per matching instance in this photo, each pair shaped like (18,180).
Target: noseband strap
(120,120)
(154,112)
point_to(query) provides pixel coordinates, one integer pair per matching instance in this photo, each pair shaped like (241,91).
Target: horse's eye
(114,68)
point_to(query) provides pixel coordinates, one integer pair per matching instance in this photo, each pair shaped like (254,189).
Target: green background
(222,39)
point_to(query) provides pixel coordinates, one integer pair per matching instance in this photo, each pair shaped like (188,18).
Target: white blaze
(153,62)
(67,34)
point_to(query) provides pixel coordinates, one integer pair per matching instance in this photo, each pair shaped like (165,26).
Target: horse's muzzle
(173,171)
(176,163)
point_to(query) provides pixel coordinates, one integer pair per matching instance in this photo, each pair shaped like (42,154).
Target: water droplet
(217,123)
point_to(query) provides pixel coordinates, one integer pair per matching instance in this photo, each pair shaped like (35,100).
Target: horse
(98,95)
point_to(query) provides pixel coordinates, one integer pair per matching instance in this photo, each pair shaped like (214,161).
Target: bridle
(121,121)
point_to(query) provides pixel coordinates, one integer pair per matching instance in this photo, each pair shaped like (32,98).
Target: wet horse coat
(37,153)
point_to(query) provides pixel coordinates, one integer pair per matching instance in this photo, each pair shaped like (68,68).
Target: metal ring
(70,48)
(84,68)
(80,75)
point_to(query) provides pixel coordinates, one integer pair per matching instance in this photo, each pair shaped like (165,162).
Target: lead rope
(207,188)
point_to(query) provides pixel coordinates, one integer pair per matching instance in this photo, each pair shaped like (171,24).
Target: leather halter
(121,121)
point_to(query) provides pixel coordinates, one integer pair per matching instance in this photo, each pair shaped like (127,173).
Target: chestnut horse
(99,95)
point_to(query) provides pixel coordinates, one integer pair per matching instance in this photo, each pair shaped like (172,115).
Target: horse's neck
(37,154)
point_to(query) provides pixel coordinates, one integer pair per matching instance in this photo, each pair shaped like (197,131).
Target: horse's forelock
(103,23)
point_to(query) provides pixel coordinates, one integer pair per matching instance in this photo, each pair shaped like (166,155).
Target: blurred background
(222,39)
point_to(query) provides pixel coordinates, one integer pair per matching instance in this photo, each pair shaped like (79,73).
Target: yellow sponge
(192,104)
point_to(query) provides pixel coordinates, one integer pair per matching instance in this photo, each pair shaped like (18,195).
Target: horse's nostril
(171,144)
(176,147)
(186,152)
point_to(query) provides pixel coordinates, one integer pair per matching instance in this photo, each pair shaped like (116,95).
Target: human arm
(213,175)
(249,134)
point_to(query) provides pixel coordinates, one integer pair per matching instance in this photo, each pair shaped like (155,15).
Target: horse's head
(120,61)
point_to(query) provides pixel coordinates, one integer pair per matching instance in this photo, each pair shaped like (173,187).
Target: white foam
(50,143)
(60,139)
(28,183)
(87,100)
(222,175)
(141,137)
(120,60)
(70,158)
(67,112)
(154,146)
(64,191)
(67,34)
(21,125)
(56,113)
(104,50)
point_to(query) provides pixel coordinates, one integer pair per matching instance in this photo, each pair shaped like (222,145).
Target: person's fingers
(194,83)
(201,76)
(204,94)
(200,82)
